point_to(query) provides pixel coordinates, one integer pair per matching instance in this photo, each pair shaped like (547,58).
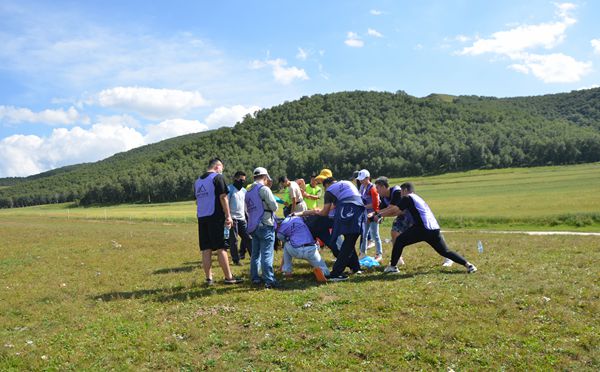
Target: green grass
(546,198)
(120,295)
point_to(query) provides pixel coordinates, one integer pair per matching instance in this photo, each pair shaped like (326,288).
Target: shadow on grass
(171,270)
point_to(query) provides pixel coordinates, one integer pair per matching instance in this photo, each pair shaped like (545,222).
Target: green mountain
(391,134)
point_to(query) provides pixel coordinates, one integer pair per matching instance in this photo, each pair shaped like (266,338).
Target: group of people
(351,210)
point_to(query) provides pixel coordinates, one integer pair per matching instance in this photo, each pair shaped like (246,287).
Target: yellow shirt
(310,203)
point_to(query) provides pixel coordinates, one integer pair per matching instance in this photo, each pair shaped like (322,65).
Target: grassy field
(547,198)
(83,294)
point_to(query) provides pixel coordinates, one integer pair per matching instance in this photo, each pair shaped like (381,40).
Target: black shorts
(210,234)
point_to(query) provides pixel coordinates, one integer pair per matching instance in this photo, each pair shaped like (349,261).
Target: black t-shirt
(406,203)
(329,198)
(220,189)
(383,204)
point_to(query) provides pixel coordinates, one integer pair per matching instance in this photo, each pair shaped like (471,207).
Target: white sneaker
(471,268)
(447,262)
(391,270)
(378,258)
(371,244)
(401,261)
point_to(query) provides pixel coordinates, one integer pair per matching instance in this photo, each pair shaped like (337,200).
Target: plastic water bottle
(479,246)
(226,233)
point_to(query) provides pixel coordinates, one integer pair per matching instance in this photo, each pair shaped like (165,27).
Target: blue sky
(82,80)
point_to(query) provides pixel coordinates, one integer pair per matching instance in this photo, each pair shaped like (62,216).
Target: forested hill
(390,134)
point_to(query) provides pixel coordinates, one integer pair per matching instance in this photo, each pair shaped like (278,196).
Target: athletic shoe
(237,263)
(391,270)
(319,275)
(233,281)
(257,282)
(209,281)
(357,272)
(338,278)
(274,285)
(401,261)
(471,268)
(379,257)
(371,244)
(447,262)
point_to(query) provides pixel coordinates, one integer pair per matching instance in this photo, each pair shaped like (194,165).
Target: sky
(83,80)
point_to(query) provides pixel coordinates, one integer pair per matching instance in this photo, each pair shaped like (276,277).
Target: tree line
(392,134)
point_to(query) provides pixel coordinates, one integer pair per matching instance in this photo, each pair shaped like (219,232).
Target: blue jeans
(373,228)
(263,239)
(309,253)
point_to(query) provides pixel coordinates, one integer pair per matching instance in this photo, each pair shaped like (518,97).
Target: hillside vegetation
(389,133)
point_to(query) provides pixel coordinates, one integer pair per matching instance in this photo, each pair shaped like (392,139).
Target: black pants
(319,227)
(417,234)
(347,256)
(239,228)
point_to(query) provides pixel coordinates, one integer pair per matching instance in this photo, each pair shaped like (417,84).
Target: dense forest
(392,134)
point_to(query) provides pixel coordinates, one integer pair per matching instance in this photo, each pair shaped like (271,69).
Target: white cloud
(462,38)
(50,117)
(282,74)
(515,43)
(228,116)
(553,68)
(352,40)
(149,102)
(374,33)
(302,54)
(25,155)
(376,12)
(172,128)
(596,45)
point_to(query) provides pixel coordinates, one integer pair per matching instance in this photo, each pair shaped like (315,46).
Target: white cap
(260,171)
(362,174)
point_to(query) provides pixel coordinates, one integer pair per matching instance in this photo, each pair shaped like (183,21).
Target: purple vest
(296,231)
(425,212)
(365,193)
(254,207)
(205,195)
(343,190)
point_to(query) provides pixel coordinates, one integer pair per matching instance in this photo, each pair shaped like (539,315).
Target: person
(299,242)
(261,207)
(214,217)
(403,221)
(323,175)
(370,198)
(424,228)
(312,192)
(237,205)
(296,202)
(349,218)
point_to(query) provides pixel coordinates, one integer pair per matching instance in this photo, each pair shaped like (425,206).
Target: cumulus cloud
(18,115)
(172,128)
(149,102)
(374,33)
(596,45)
(376,12)
(25,155)
(228,116)
(516,42)
(282,74)
(352,40)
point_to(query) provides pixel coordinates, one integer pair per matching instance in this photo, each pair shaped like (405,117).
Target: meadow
(126,292)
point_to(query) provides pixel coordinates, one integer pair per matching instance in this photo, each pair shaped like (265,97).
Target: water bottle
(226,233)
(479,246)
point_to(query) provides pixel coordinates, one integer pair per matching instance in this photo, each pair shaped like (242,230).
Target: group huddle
(351,210)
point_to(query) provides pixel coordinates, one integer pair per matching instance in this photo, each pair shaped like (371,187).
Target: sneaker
(237,263)
(371,244)
(357,272)
(337,278)
(471,268)
(379,257)
(257,282)
(401,261)
(274,285)
(447,262)
(319,275)
(391,270)
(209,281)
(233,281)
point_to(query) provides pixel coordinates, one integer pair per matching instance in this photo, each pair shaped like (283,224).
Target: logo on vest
(348,214)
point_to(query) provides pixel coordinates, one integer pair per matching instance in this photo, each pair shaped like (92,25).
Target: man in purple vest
(349,219)
(425,228)
(261,207)
(300,243)
(213,218)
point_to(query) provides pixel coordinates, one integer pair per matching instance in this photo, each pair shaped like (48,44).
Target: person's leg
(436,240)
(347,256)
(224,263)
(255,257)
(313,256)
(233,234)
(410,236)
(287,258)
(246,244)
(207,263)
(364,241)
(267,234)
(374,230)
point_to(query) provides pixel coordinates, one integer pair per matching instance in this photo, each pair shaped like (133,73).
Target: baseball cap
(260,171)
(325,173)
(362,174)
